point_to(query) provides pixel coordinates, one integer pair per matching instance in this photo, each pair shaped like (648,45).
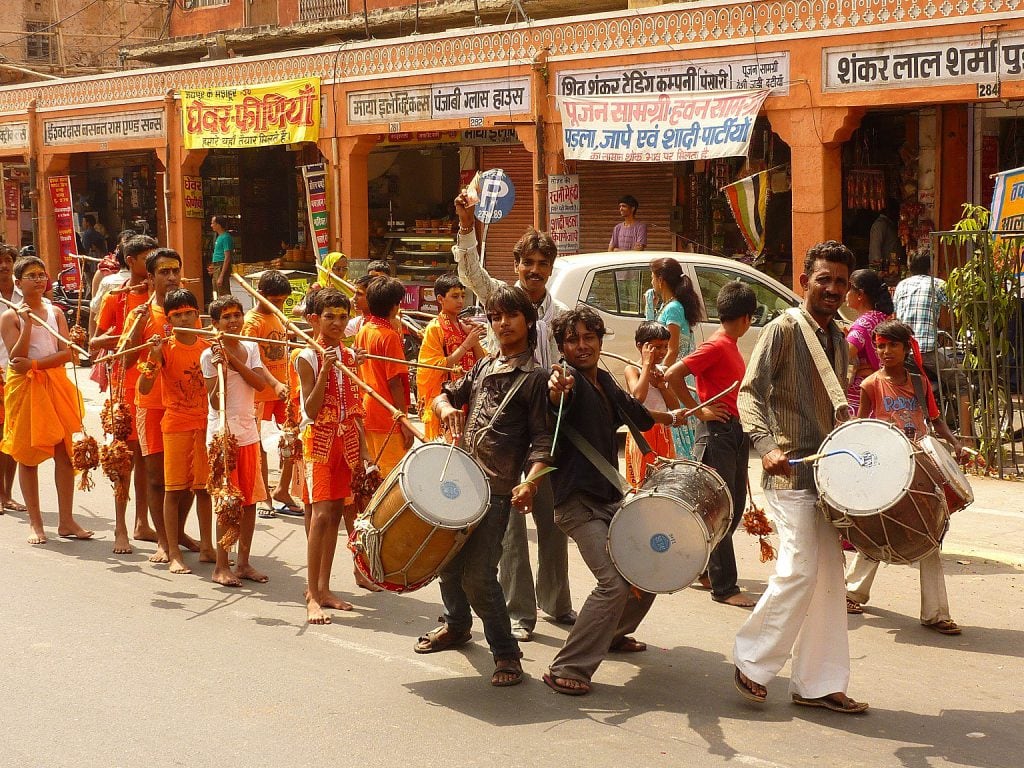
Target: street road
(112,661)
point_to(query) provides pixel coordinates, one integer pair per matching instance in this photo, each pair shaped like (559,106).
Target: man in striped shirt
(785,408)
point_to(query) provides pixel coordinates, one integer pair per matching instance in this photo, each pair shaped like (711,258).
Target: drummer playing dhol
(507,426)
(891,394)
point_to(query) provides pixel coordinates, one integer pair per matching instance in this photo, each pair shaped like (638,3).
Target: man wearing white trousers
(786,408)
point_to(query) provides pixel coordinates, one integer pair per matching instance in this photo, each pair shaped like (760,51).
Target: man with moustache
(534,258)
(787,412)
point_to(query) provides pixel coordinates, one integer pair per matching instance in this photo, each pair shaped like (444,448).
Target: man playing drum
(787,409)
(890,394)
(593,407)
(507,428)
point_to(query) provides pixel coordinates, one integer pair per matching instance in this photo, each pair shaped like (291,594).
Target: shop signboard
(564,212)
(1008,202)
(12,194)
(731,73)
(943,61)
(236,116)
(193,197)
(659,128)
(121,126)
(473,137)
(60,196)
(479,98)
(14,135)
(315,177)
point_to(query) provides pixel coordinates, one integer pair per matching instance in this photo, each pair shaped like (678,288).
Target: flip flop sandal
(628,645)
(851,707)
(945,627)
(288,510)
(441,639)
(265,513)
(853,607)
(745,690)
(515,669)
(552,682)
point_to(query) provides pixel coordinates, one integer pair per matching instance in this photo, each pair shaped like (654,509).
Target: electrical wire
(50,26)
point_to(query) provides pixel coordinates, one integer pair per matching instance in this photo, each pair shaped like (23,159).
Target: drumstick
(46,326)
(714,398)
(561,403)
(290,324)
(444,469)
(860,458)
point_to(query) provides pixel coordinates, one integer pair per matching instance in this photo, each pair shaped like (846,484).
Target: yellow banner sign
(251,116)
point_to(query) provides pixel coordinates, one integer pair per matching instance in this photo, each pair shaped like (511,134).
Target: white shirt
(107,283)
(241,398)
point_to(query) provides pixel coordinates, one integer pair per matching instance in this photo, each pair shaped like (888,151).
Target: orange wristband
(35,365)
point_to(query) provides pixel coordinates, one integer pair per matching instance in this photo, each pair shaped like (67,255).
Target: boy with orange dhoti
(174,362)
(8,466)
(244,377)
(446,342)
(272,401)
(43,408)
(388,439)
(334,447)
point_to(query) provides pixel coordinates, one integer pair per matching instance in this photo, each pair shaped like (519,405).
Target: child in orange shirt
(271,402)
(386,438)
(333,447)
(245,377)
(175,361)
(446,342)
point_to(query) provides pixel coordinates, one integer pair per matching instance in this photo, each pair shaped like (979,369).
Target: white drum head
(657,543)
(950,470)
(460,499)
(886,475)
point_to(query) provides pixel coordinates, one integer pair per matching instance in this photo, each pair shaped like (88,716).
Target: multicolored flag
(748,200)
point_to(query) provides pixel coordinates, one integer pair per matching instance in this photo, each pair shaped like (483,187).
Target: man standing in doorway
(534,257)
(223,255)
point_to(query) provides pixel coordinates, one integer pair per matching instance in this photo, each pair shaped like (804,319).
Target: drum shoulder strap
(821,362)
(601,464)
(516,386)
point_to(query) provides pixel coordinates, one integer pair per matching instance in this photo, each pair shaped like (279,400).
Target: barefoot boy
(174,362)
(43,408)
(333,447)
(721,443)
(244,378)
(446,342)
(271,401)
(9,291)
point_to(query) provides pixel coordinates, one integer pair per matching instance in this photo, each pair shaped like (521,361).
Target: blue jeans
(471,580)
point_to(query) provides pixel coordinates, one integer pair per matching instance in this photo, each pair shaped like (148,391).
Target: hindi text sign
(193,197)
(63,214)
(1008,202)
(564,212)
(315,177)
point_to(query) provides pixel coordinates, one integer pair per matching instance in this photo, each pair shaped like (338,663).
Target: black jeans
(723,447)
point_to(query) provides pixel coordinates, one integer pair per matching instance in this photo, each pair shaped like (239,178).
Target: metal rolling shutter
(601,186)
(517,163)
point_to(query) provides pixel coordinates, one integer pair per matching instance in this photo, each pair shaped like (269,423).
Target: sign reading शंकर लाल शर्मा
(236,117)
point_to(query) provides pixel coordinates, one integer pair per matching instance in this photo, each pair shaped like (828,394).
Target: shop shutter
(517,163)
(601,186)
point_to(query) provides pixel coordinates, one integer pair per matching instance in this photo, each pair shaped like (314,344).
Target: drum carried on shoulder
(890,497)
(420,517)
(662,537)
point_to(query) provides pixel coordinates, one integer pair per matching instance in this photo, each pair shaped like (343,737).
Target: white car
(614,283)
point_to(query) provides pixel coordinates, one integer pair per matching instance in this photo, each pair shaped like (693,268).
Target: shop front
(119,190)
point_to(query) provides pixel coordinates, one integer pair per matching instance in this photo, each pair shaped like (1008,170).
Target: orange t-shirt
(274,356)
(183,388)
(157,326)
(114,311)
(377,337)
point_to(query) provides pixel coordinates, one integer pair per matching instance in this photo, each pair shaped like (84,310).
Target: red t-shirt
(716,364)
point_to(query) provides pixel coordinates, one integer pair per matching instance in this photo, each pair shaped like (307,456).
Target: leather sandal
(628,645)
(441,639)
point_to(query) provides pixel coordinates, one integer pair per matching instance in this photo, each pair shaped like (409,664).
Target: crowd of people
(523,393)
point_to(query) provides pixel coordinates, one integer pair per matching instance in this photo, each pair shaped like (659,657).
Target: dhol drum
(662,537)
(881,491)
(417,521)
(955,485)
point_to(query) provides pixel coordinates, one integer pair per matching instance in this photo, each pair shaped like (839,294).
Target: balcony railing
(320,10)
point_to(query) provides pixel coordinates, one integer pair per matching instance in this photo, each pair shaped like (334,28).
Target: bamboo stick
(290,324)
(46,326)
(413,363)
(407,322)
(83,257)
(125,352)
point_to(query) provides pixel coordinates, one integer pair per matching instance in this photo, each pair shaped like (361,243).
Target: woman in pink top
(869,297)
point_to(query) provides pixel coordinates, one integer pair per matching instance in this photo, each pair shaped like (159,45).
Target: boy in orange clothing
(43,408)
(387,438)
(334,447)
(271,402)
(245,377)
(446,342)
(175,363)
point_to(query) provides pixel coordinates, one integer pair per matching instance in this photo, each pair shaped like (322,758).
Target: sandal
(441,639)
(945,627)
(847,706)
(14,506)
(512,667)
(628,645)
(853,607)
(582,687)
(264,512)
(746,691)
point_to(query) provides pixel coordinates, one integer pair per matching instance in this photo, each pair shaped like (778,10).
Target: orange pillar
(815,138)
(355,195)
